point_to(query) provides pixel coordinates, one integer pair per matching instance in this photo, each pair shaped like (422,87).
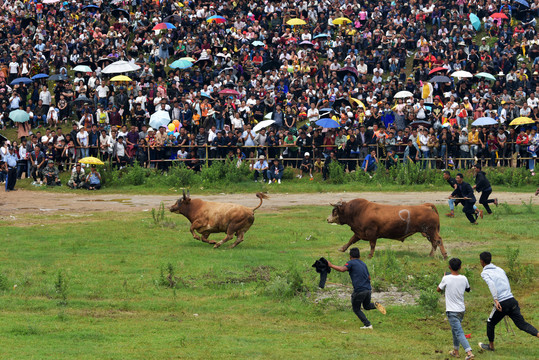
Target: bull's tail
(261,196)
(432,207)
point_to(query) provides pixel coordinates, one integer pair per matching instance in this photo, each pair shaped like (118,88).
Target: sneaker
(269,182)
(300,176)
(469,357)
(454,354)
(496,202)
(256,180)
(366,327)
(380,307)
(481,214)
(450,215)
(33,182)
(279,181)
(485,347)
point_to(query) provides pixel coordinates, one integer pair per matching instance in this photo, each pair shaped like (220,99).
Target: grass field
(97,286)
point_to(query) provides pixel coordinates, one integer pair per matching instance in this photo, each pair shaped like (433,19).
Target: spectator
(275,172)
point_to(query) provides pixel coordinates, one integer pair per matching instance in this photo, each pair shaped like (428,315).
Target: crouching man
(76,181)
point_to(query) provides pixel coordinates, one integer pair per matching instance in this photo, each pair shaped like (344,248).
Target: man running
(504,302)
(455,200)
(482,185)
(468,199)
(361,280)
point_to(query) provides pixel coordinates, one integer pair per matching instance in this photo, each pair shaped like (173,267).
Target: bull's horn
(337,204)
(188,195)
(184,193)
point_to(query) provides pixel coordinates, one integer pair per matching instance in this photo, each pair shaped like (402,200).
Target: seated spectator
(318,165)
(50,175)
(93,180)
(325,170)
(260,168)
(275,172)
(370,163)
(306,165)
(78,177)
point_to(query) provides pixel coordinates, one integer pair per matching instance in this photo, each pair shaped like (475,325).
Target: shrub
(60,286)
(336,173)
(181,176)
(286,285)
(167,278)
(428,300)
(518,272)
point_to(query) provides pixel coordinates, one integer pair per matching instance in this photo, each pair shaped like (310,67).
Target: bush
(336,173)
(286,285)
(516,271)
(428,300)
(181,176)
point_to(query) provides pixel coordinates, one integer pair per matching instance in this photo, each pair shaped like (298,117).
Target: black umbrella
(340,102)
(173,19)
(83,99)
(201,61)
(348,70)
(104,62)
(119,12)
(26,21)
(270,65)
(57,77)
(419,123)
(440,79)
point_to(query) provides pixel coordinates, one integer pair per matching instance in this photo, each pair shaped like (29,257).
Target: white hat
(261,157)
(44,138)
(307,154)
(150,129)
(465,129)
(465,98)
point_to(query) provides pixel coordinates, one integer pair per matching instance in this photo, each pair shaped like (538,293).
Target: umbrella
(216,19)
(499,16)
(268,116)
(263,124)
(348,70)
(257,43)
(51,1)
(82,68)
(57,77)
(340,102)
(229,92)
(83,99)
(229,69)
(436,70)
(40,76)
(173,18)
(90,160)
(486,76)
(159,118)
(181,64)
(484,121)
(462,74)
(440,79)
(307,43)
(321,36)
(521,121)
(356,101)
(523,2)
(119,12)
(91,7)
(188,58)
(403,94)
(163,26)
(121,78)
(19,116)
(418,123)
(21,80)
(341,21)
(88,63)
(296,21)
(270,65)
(476,23)
(199,61)
(104,60)
(328,123)
(120,67)
(326,110)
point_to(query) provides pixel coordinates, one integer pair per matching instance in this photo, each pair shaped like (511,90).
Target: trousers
(362,298)
(509,308)
(484,200)
(455,320)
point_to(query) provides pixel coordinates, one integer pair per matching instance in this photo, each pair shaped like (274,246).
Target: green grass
(116,306)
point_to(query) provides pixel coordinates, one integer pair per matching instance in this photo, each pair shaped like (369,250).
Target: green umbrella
(485,76)
(19,116)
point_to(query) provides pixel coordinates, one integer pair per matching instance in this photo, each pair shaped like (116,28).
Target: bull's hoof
(212,242)
(216,246)
(343,249)
(370,256)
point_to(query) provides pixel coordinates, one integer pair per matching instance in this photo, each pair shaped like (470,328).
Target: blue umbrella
(159,118)
(321,36)
(181,64)
(523,2)
(484,121)
(328,123)
(21,80)
(94,7)
(257,43)
(40,76)
(476,22)
(19,116)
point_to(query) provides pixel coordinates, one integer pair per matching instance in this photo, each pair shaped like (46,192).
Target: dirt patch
(39,202)
(341,294)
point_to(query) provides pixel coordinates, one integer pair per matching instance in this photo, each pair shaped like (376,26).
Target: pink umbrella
(229,92)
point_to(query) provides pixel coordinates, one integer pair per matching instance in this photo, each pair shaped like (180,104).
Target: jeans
(219,123)
(258,173)
(84,152)
(362,298)
(43,118)
(452,204)
(273,175)
(510,308)
(531,162)
(455,319)
(426,155)
(474,150)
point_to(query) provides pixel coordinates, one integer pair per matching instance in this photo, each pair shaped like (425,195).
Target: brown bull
(208,217)
(371,221)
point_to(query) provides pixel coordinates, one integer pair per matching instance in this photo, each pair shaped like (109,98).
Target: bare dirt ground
(24,201)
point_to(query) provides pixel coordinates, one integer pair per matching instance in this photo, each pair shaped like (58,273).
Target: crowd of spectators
(347,63)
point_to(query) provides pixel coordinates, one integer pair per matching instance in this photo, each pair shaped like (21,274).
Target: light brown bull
(208,217)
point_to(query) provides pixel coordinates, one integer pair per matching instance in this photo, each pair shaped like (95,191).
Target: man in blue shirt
(370,162)
(504,302)
(11,161)
(361,280)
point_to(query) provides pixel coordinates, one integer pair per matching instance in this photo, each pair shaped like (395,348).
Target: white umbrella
(263,124)
(268,116)
(403,95)
(82,68)
(159,118)
(462,74)
(50,1)
(120,67)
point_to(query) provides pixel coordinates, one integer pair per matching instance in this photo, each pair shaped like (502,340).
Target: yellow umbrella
(295,22)
(341,21)
(91,161)
(357,101)
(121,78)
(188,58)
(521,121)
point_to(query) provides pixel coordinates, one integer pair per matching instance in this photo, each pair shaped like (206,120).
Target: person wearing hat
(306,165)
(76,181)
(10,160)
(50,174)
(260,168)
(275,172)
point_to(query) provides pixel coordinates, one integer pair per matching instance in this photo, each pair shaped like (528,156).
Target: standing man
(361,280)
(468,199)
(11,161)
(504,302)
(452,202)
(482,185)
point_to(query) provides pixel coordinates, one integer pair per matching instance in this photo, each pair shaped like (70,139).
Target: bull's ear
(184,194)
(188,195)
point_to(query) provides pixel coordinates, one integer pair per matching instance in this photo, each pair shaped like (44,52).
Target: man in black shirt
(465,191)
(482,185)
(453,202)
(361,280)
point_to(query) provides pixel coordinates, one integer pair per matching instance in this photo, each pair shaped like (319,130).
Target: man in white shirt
(260,167)
(313,114)
(102,93)
(455,285)
(532,101)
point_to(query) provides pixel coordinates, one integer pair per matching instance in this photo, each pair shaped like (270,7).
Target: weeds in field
(428,300)
(167,277)
(4,283)
(386,270)
(518,272)
(159,218)
(60,286)
(286,285)
(528,207)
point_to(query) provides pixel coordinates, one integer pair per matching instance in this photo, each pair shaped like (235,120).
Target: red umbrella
(437,69)
(499,16)
(229,92)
